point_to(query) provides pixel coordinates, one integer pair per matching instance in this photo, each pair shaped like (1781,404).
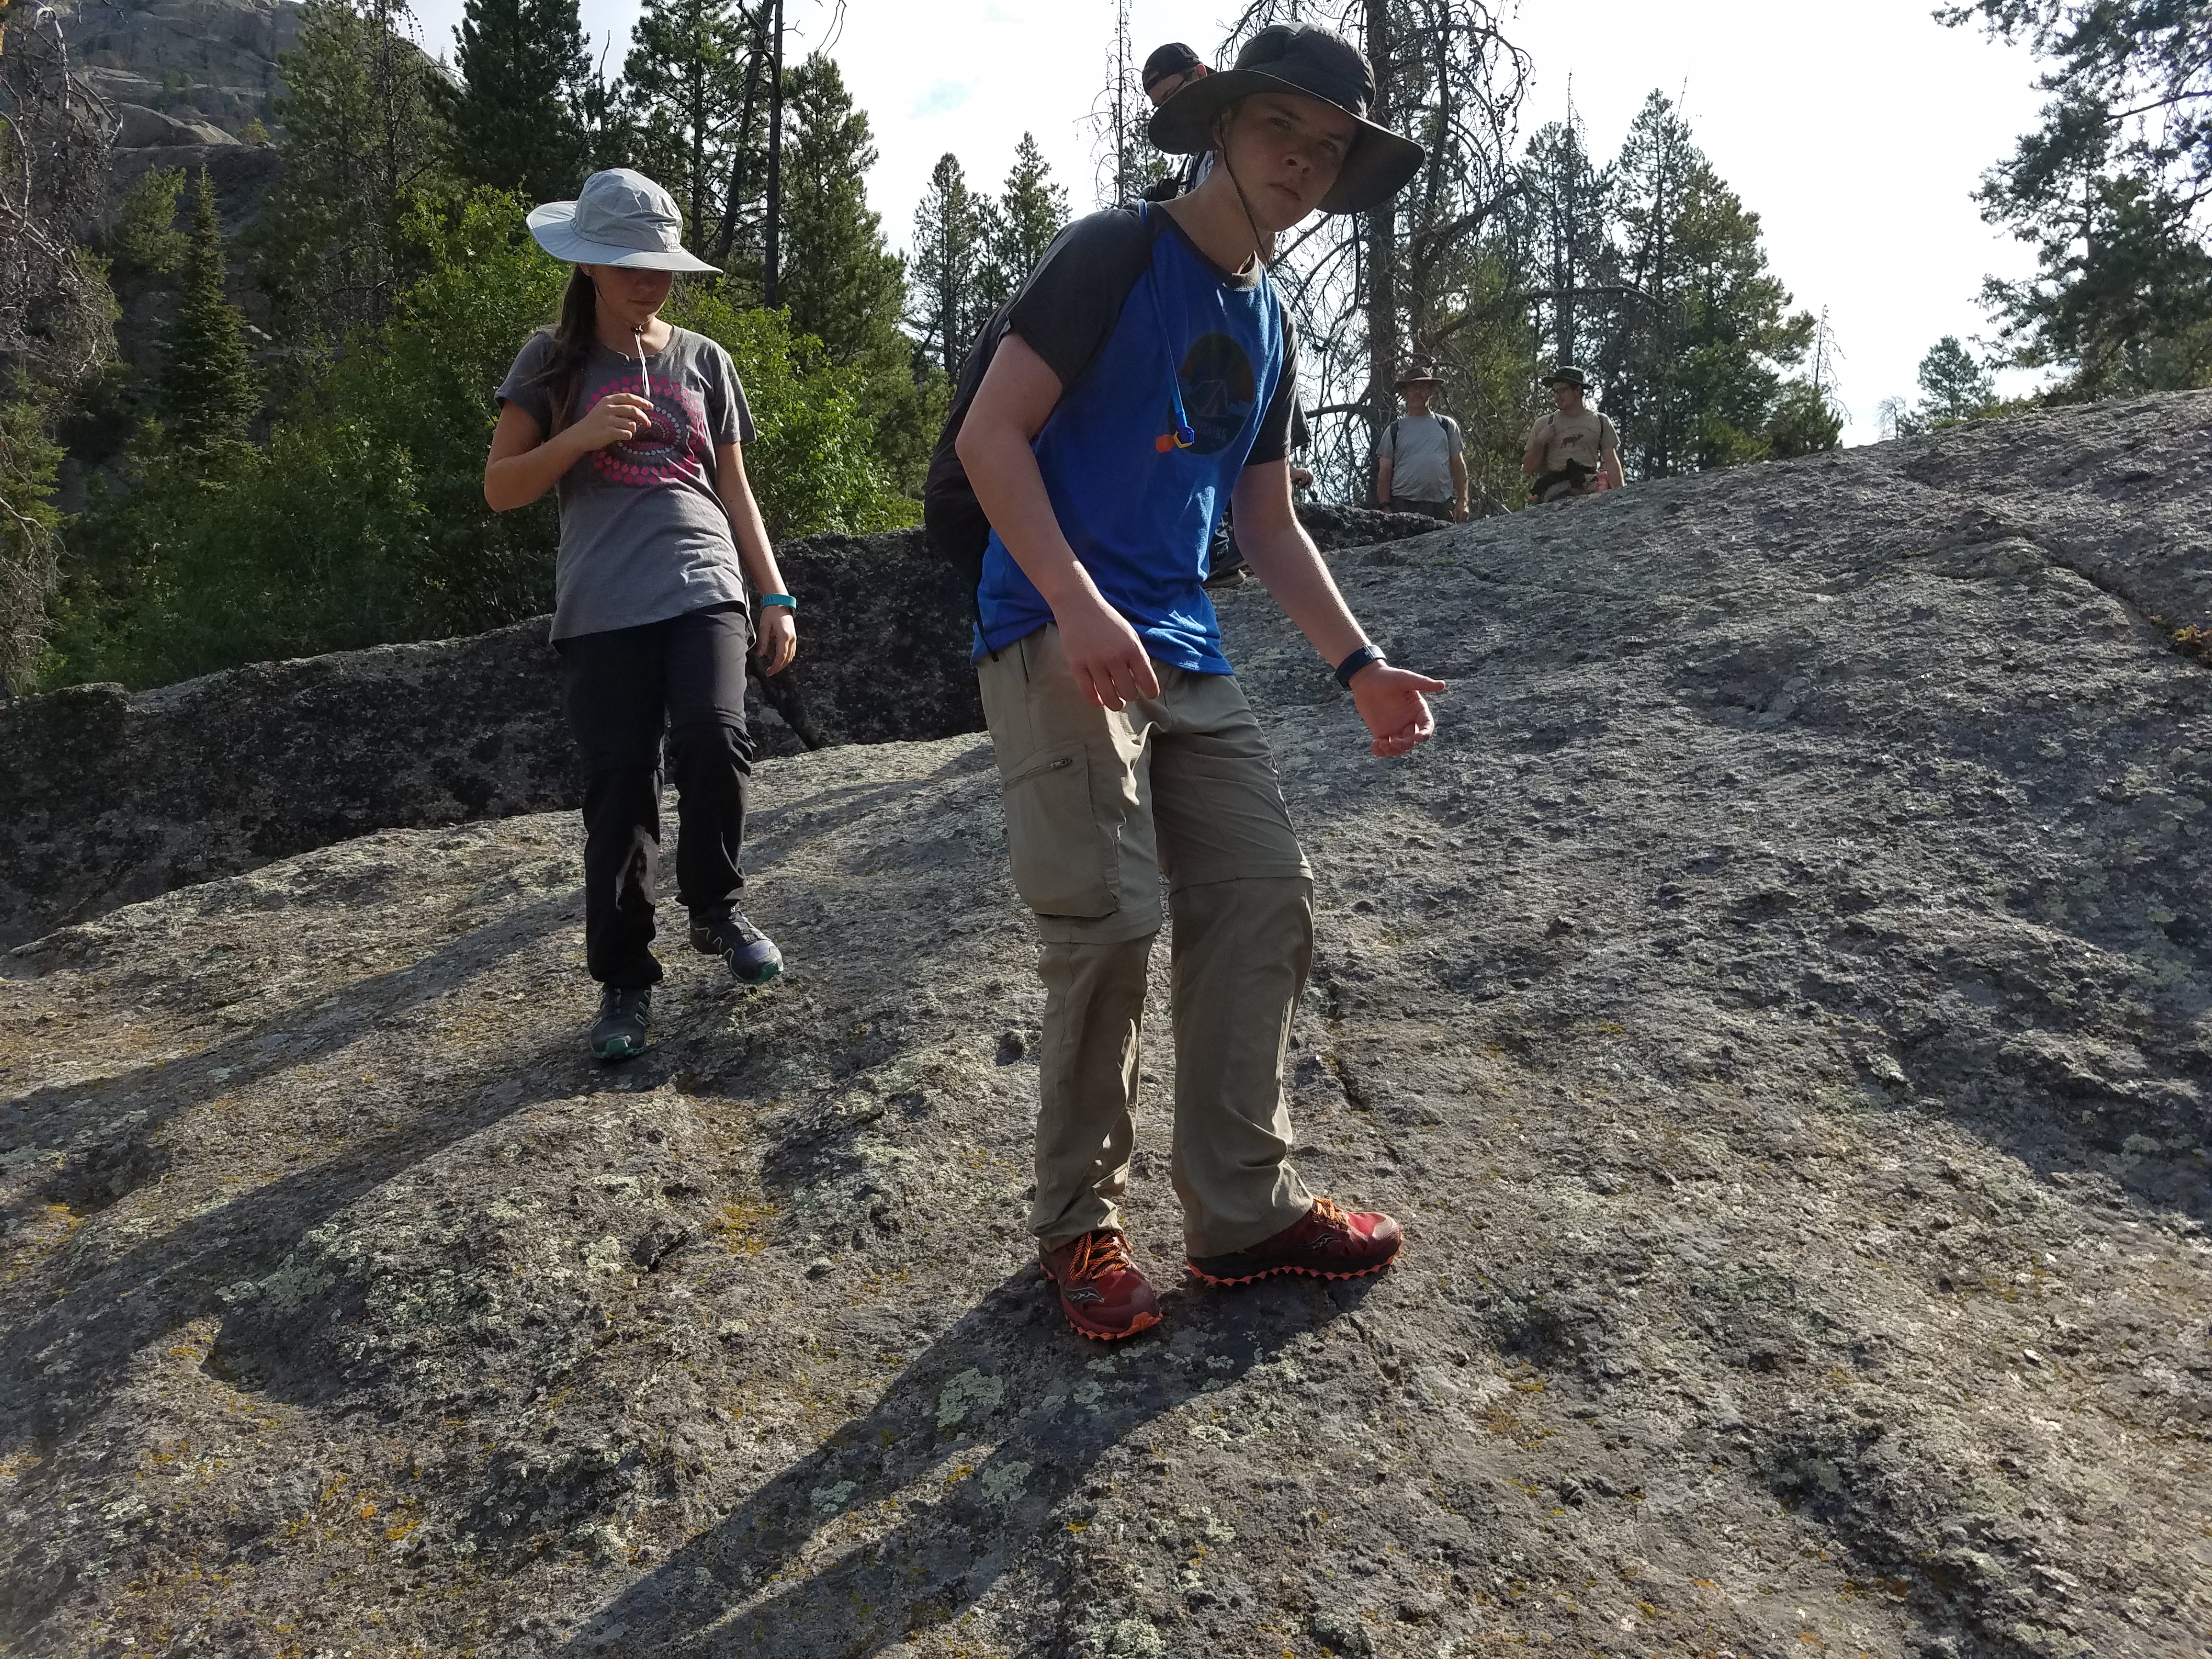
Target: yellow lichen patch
(744,1225)
(48,1228)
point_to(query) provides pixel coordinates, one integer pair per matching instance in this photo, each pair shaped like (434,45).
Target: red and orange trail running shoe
(1326,1243)
(1102,1291)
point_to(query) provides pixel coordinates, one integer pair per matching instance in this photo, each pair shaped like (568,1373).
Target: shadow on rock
(908,1515)
(62,1364)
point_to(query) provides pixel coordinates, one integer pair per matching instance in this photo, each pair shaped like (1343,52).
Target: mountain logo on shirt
(668,450)
(1218,390)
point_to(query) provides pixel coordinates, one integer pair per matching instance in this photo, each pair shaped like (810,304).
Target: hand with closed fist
(615,419)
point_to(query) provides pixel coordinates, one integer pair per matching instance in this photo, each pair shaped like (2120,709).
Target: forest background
(291,462)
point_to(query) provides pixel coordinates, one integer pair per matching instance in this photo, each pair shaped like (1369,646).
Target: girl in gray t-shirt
(639,427)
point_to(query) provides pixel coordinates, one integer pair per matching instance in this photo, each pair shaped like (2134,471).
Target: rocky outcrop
(205,68)
(107,797)
(188,79)
(1776,1005)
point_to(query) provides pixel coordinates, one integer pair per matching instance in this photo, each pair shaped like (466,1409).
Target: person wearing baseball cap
(1146,375)
(1167,72)
(1170,69)
(639,427)
(1420,464)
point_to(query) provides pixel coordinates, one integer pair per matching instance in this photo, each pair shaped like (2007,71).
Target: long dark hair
(574,336)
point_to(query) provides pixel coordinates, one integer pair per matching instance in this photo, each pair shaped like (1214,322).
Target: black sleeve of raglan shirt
(1273,441)
(1067,311)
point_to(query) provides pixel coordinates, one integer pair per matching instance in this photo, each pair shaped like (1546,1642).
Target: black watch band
(1358,661)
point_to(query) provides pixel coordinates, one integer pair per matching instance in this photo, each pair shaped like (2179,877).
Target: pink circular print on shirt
(671,449)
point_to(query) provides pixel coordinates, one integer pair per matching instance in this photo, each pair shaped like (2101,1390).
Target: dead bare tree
(1408,278)
(1122,158)
(56,316)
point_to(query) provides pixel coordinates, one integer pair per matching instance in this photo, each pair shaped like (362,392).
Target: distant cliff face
(184,71)
(187,78)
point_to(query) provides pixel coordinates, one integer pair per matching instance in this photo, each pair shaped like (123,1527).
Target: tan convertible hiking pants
(1098,805)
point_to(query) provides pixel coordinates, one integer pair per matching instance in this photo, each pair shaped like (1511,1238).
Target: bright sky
(1857,133)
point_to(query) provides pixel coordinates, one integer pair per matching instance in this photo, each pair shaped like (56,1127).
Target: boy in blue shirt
(1143,377)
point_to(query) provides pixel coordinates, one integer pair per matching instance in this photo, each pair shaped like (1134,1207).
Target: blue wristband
(783,599)
(1358,661)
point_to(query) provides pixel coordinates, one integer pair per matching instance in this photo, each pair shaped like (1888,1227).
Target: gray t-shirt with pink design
(643,535)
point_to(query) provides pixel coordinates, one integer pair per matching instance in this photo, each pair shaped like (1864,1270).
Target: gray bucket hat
(1314,64)
(618,218)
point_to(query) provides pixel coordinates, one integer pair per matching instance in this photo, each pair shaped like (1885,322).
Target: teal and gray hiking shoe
(750,954)
(619,1032)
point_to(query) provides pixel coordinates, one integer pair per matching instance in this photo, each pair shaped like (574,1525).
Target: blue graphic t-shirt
(1126,310)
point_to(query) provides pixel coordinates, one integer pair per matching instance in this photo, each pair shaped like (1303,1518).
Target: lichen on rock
(1776,1006)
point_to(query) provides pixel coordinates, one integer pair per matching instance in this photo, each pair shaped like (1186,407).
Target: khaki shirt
(1582,437)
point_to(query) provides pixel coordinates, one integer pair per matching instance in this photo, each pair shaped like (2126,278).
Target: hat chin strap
(1260,245)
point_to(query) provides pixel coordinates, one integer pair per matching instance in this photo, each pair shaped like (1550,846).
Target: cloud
(945,95)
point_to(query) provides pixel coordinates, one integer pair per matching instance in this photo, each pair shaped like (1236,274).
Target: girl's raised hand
(615,418)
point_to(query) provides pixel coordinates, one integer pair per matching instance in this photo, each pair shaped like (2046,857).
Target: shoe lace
(1337,1235)
(1098,1254)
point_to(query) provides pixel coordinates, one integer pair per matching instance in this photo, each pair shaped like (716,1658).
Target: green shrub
(362,520)
(813,465)
(29,462)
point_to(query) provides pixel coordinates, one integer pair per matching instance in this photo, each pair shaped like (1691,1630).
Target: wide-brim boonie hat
(618,218)
(1313,64)
(1425,374)
(1568,374)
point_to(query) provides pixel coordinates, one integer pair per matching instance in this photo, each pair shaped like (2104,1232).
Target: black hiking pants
(621,691)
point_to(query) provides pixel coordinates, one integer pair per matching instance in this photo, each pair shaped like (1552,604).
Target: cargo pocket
(1062,854)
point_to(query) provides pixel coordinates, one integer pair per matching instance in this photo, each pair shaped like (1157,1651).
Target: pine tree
(1019,226)
(207,388)
(1692,365)
(1805,420)
(364,141)
(840,283)
(144,240)
(1954,386)
(684,91)
(1569,204)
(518,117)
(948,256)
(2112,191)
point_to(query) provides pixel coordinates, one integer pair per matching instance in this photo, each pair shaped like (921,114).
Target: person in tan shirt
(1574,450)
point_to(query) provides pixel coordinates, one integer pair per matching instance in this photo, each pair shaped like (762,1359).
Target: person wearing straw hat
(1574,450)
(1420,464)
(1145,376)
(640,426)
